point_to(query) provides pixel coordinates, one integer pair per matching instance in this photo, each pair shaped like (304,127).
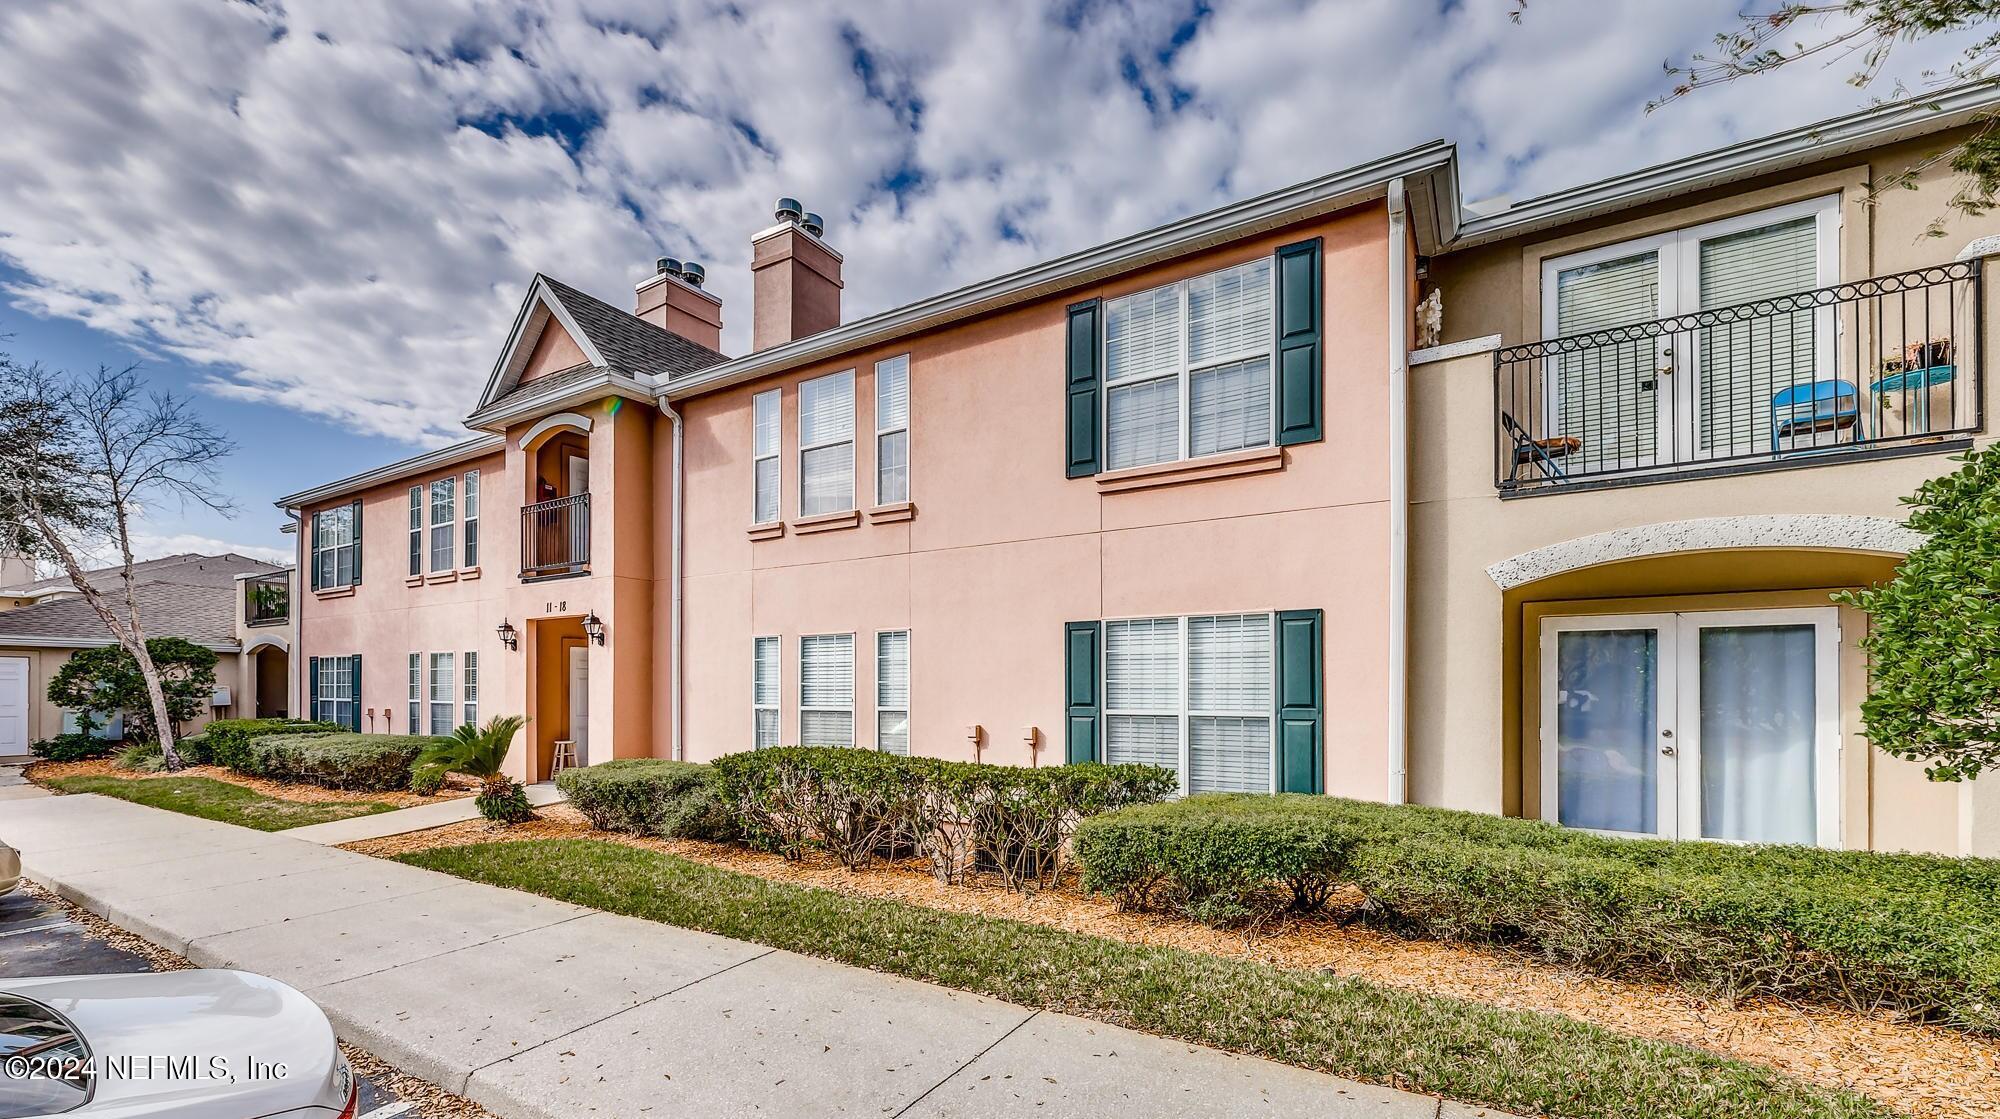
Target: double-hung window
(826,690)
(444,524)
(336,546)
(443,703)
(1187,368)
(1194,695)
(416,530)
(416,693)
(892,691)
(892,430)
(826,444)
(334,695)
(764,662)
(470,687)
(472,518)
(767,410)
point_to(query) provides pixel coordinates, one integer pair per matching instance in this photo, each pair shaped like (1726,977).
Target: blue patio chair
(1819,406)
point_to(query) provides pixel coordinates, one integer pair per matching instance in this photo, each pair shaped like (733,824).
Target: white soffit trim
(1813,143)
(1825,531)
(552,423)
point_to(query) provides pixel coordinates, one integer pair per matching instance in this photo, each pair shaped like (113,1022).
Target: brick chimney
(797,279)
(673,298)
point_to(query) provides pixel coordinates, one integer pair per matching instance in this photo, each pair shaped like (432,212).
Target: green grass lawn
(1520,1061)
(217,800)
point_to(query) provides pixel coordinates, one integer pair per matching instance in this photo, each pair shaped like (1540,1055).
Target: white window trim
(319,518)
(1186,710)
(777,689)
(756,460)
(468,687)
(1680,800)
(805,447)
(444,493)
(882,432)
(329,708)
(419,520)
(450,700)
(852,655)
(909,681)
(1184,371)
(468,504)
(417,693)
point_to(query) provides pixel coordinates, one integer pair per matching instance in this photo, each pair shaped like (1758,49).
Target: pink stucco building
(1228,496)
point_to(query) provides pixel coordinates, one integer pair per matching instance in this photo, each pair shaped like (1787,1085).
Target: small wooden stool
(564,758)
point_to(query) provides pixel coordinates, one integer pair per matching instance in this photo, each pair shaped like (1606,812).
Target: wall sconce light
(593,628)
(508,636)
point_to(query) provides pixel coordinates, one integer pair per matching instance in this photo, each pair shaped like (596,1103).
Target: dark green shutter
(312,688)
(1081,690)
(312,548)
(1301,701)
(354,709)
(1080,442)
(357,542)
(1301,383)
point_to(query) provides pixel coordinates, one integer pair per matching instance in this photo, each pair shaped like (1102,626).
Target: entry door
(13,705)
(1710,725)
(579,702)
(1702,393)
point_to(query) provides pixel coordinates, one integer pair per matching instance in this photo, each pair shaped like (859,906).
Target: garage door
(13,705)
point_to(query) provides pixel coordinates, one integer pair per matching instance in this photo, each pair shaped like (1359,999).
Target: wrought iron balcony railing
(267,600)
(555,537)
(1874,367)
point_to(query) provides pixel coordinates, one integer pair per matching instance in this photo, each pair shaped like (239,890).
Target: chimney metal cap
(814,224)
(693,273)
(666,266)
(789,209)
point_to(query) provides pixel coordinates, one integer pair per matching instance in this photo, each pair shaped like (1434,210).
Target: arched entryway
(269,685)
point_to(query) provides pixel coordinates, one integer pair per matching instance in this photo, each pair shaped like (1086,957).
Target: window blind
(826,409)
(892,421)
(1229,313)
(1607,395)
(892,393)
(1744,364)
(764,452)
(442,699)
(444,516)
(472,518)
(1229,700)
(1142,692)
(1229,407)
(470,688)
(892,692)
(826,690)
(1144,423)
(416,719)
(826,442)
(764,692)
(1142,334)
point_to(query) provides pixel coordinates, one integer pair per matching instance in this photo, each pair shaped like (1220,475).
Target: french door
(1703,725)
(1656,398)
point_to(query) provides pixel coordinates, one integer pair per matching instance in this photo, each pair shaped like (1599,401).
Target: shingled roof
(189,595)
(629,344)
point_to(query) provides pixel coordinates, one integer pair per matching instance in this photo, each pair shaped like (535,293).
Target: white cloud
(297,192)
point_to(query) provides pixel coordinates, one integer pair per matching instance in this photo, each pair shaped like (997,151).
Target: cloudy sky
(319,217)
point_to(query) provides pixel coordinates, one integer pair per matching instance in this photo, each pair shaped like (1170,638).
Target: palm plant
(481,752)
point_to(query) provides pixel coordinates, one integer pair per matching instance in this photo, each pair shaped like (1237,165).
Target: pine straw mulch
(1928,1071)
(43,772)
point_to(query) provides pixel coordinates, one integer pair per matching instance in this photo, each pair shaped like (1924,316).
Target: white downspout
(674,573)
(1399,495)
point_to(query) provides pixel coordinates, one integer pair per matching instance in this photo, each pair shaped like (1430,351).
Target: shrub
(481,752)
(1914,932)
(426,781)
(860,803)
(503,801)
(142,757)
(227,741)
(345,760)
(73,747)
(99,683)
(649,796)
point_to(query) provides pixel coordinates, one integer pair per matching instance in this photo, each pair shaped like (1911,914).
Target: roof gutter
(1228,223)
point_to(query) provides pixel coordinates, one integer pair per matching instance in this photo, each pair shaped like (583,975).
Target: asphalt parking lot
(40,936)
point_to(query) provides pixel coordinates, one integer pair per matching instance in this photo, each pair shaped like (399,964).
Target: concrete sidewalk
(420,818)
(536,1008)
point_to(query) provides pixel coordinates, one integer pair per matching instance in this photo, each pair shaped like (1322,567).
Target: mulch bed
(1928,1071)
(43,772)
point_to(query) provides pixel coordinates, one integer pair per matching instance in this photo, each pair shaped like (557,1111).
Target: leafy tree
(481,752)
(80,459)
(101,683)
(1866,32)
(1934,630)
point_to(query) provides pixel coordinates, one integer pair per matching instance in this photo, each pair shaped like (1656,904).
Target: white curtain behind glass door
(1607,765)
(1758,733)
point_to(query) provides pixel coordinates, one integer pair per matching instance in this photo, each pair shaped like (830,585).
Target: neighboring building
(44,622)
(1188,498)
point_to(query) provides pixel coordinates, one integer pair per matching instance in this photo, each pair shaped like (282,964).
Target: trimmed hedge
(345,760)
(650,796)
(226,742)
(1915,932)
(858,804)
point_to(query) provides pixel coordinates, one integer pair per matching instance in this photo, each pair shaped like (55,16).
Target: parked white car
(10,869)
(168,1045)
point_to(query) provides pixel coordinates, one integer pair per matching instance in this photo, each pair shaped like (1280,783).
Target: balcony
(1873,368)
(267,600)
(555,537)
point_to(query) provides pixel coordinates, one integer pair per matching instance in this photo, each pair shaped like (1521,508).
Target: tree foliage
(1934,630)
(100,683)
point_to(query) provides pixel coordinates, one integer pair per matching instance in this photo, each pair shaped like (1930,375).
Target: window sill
(413,580)
(1256,460)
(335,592)
(468,573)
(827,522)
(890,514)
(770,531)
(442,577)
